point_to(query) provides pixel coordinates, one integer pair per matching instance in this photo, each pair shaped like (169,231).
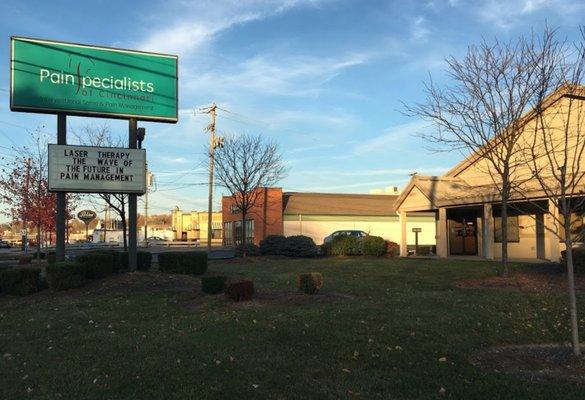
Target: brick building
(264,219)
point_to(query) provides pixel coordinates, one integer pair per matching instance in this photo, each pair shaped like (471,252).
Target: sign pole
(132,204)
(61,196)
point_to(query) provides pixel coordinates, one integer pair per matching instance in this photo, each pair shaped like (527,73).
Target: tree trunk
(504,217)
(38,243)
(244,252)
(571,287)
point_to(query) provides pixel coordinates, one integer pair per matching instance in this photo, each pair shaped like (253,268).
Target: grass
(383,342)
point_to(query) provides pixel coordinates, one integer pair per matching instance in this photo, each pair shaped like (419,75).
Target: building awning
(216,225)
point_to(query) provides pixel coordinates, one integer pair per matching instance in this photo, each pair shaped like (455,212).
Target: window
(513,229)
(577,227)
(249,231)
(229,237)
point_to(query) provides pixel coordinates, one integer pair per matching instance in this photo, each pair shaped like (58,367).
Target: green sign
(56,77)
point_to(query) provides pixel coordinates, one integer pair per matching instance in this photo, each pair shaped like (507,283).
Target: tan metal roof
(339,204)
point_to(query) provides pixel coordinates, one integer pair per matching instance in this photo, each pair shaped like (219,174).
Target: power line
(257,122)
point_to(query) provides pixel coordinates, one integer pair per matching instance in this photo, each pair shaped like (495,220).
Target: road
(217,252)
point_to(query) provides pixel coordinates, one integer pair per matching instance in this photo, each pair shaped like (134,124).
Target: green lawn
(383,341)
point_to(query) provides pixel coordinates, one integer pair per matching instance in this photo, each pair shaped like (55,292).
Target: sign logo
(86,216)
(96,169)
(59,77)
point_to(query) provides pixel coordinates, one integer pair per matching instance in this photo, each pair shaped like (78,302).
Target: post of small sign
(61,214)
(416,232)
(115,83)
(132,204)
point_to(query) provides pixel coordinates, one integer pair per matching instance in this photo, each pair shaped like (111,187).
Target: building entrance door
(463,236)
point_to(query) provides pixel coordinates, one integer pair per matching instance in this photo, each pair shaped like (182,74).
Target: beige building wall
(318,227)
(526,247)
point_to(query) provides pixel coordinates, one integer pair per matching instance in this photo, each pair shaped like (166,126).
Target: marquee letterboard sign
(96,169)
(75,79)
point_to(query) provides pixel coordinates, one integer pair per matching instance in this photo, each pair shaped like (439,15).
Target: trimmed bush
(374,246)
(51,257)
(240,290)
(272,245)
(347,246)
(190,263)
(251,250)
(143,260)
(310,283)
(578,259)
(99,264)
(326,249)
(24,260)
(213,284)
(392,248)
(300,246)
(20,281)
(65,275)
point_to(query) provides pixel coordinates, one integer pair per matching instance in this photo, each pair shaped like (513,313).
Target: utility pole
(106,212)
(211,110)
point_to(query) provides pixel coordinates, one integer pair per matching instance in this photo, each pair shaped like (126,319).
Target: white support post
(441,232)
(403,234)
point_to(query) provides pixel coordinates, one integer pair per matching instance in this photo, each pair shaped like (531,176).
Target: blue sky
(325,78)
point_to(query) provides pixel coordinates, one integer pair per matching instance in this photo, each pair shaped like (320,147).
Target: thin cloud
(270,74)
(506,14)
(419,31)
(392,138)
(201,21)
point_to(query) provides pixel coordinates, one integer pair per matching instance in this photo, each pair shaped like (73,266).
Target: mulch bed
(538,278)
(534,363)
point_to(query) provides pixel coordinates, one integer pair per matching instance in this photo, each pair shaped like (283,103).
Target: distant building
(317,215)
(192,226)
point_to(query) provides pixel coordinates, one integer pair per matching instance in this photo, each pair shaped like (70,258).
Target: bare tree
(480,114)
(244,166)
(91,135)
(555,155)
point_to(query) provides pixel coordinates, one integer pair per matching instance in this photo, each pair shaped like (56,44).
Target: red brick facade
(265,217)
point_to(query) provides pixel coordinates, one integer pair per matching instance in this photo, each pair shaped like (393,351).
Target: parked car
(4,244)
(155,239)
(359,234)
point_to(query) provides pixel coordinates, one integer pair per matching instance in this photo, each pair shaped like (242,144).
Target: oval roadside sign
(86,216)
